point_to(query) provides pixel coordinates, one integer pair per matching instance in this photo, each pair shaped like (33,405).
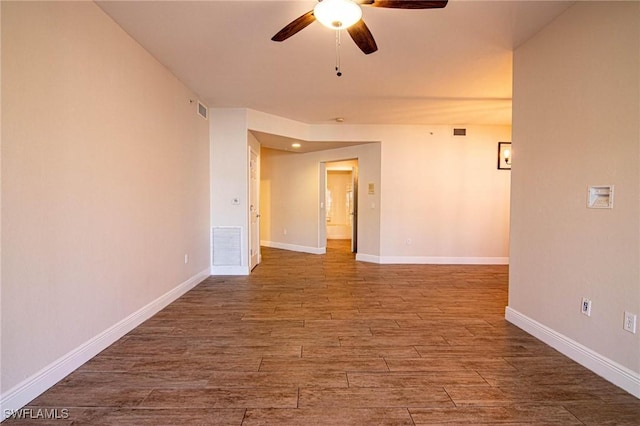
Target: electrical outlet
(630,322)
(585,307)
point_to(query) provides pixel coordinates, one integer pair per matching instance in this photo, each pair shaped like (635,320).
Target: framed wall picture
(504,155)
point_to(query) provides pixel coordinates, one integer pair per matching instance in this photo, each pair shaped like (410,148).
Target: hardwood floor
(324,340)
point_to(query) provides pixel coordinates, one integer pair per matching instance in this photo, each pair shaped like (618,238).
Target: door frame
(322,223)
(254,209)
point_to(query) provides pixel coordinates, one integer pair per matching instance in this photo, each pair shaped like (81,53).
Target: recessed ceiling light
(295,145)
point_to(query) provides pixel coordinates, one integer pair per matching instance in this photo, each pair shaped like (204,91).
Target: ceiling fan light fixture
(337,14)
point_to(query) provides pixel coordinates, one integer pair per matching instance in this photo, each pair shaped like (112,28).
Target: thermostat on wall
(600,197)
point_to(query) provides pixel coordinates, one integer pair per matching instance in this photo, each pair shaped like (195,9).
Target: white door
(254,209)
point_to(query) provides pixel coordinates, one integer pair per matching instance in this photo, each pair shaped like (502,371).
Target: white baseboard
(437,260)
(24,392)
(408,260)
(602,366)
(294,247)
(421,260)
(361,257)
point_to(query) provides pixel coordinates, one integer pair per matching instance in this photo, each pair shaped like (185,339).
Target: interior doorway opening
(255,255)
(341,205)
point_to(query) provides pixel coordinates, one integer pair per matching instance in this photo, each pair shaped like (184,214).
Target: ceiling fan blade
(406,4)
(361,35)
(295,26)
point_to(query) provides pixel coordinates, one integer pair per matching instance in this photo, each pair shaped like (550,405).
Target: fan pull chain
(338,72)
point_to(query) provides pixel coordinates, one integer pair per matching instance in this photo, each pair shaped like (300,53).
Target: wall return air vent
(226,245)
(203,111)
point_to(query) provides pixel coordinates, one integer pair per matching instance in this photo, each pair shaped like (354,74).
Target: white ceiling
(446,66)
(284,143)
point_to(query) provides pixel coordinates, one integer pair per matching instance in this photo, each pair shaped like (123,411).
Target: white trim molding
(371,258)
(27,390)
(601,365)
(294,247)
(396,260)
(442,260)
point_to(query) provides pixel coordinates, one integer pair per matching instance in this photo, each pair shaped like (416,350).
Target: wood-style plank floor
(325,340)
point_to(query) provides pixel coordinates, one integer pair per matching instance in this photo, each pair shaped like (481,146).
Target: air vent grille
(459,132)
(225,242)
(203,111)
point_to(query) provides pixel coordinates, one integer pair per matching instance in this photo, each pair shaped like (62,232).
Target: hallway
(323,340)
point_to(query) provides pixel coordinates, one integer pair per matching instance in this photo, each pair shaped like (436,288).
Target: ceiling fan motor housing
(337,14)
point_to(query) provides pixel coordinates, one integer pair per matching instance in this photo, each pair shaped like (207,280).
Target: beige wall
(104,184)
(576,122)
(291,194)
(229,171)
(1,404)
(443,193)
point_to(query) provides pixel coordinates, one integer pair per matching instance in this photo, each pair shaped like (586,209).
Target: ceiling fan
(346,14)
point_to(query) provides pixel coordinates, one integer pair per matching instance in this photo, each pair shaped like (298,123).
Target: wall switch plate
(630,321)
(585,307)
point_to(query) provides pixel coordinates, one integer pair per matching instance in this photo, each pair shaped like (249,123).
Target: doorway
(341,201)
(254,209)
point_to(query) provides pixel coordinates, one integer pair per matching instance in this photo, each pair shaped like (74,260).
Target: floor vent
(225,245)
(459,132)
